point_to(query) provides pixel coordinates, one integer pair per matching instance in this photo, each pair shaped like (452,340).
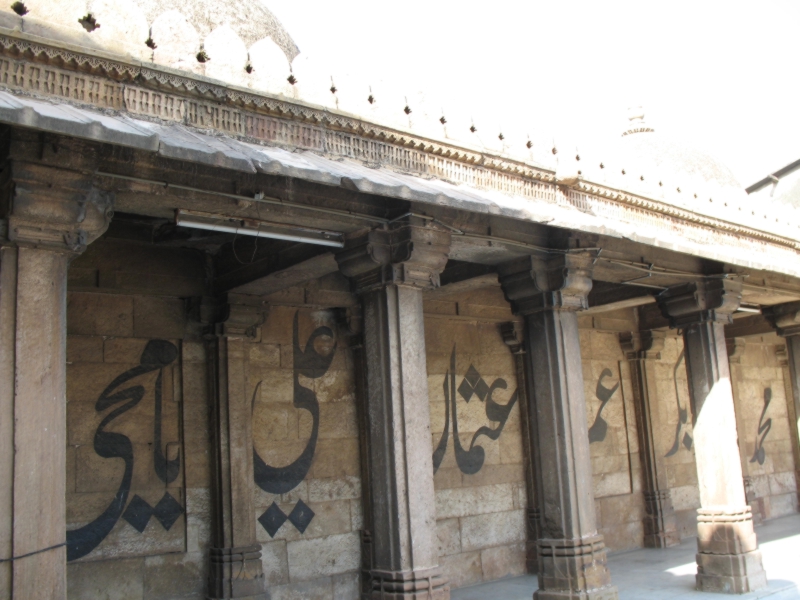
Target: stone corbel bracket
(412,252)
(560,282)
(736,347)
(642,344)
(54,209)
(785,318)
(238,317)
(705,300)
(512,333)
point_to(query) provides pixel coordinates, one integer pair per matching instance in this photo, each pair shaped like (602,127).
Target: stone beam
(389,269)
(548,292)
(728,558)
(748,325)
(291,275)
(51,216)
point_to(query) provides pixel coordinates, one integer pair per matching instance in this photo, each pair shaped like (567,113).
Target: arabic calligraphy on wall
(472,386)
(311,362)
(599,429)
(119,398)
(764,427)
(682,427)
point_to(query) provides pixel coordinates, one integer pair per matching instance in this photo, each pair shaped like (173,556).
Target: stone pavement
(669,573)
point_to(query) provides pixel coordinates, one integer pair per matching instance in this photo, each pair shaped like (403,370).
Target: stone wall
(674,436)
(613,440)
(479,481)
(315,553)
(137,482)
(763,425)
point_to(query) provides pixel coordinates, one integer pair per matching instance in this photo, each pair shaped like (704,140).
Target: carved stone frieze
(412,252)
(705,300)
(560,282)
(53,209)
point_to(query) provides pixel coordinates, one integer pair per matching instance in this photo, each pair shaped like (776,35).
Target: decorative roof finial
(637,124)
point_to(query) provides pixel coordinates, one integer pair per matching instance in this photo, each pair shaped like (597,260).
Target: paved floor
(669,574)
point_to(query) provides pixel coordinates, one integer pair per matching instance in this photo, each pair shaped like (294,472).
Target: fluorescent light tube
(265,229)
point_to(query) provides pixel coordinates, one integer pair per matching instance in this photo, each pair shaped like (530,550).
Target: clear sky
(721,74)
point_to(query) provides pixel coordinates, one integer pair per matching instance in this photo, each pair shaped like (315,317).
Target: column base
(660,525)
(424,584)
(236,573)
(574,570)
(728,560)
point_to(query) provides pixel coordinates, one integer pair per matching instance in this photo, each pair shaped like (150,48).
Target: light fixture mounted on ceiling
(253,227)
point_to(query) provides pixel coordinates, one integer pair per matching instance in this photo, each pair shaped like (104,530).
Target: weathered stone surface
(493,529)
(106,580)
(503,561)
(332,555)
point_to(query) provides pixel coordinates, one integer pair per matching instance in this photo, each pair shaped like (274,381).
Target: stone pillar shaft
(389,270)
(51,215)
(571,553)
(235,561)
(728,559)
(642,349)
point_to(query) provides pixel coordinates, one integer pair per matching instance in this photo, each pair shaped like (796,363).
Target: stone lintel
(785,318)
(411,252)
(640,345)
(53,209)
(705,300)
(555,282)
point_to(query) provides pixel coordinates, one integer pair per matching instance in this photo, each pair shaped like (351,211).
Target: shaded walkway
(669,573)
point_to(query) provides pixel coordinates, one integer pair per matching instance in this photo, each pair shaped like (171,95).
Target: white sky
(721,74)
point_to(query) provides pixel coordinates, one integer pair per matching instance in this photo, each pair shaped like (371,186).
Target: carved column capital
(561,282)
(412,252)
(785,318)
(232,316)
(702,301)
(53,209)
(638,345)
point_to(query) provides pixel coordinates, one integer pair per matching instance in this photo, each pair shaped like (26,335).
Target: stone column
(389,269)
(548,292)
(728,558)
(643,349)
(786,320)
(49,216)
(235,560)
(512,336)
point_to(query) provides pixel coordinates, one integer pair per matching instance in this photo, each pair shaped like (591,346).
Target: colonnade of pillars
(389,269)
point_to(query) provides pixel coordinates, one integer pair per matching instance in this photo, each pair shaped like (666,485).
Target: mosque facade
(266,332)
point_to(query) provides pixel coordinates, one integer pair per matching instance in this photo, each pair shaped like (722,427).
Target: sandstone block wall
(319,556)
(480,494)
(765,440)
(613,440)
(158,536)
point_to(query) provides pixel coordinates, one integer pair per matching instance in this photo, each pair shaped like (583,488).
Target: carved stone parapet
(702,301)
(577,565)
(412,252)
(641,345)
(561,282)
(785,318)
(422,584)
(728,558)
(53,209)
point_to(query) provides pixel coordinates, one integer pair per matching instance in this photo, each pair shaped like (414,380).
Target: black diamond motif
(472,376)
(466,391)
(167,511)
(138,513)
(272,519)
(481,389)
(301,516)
